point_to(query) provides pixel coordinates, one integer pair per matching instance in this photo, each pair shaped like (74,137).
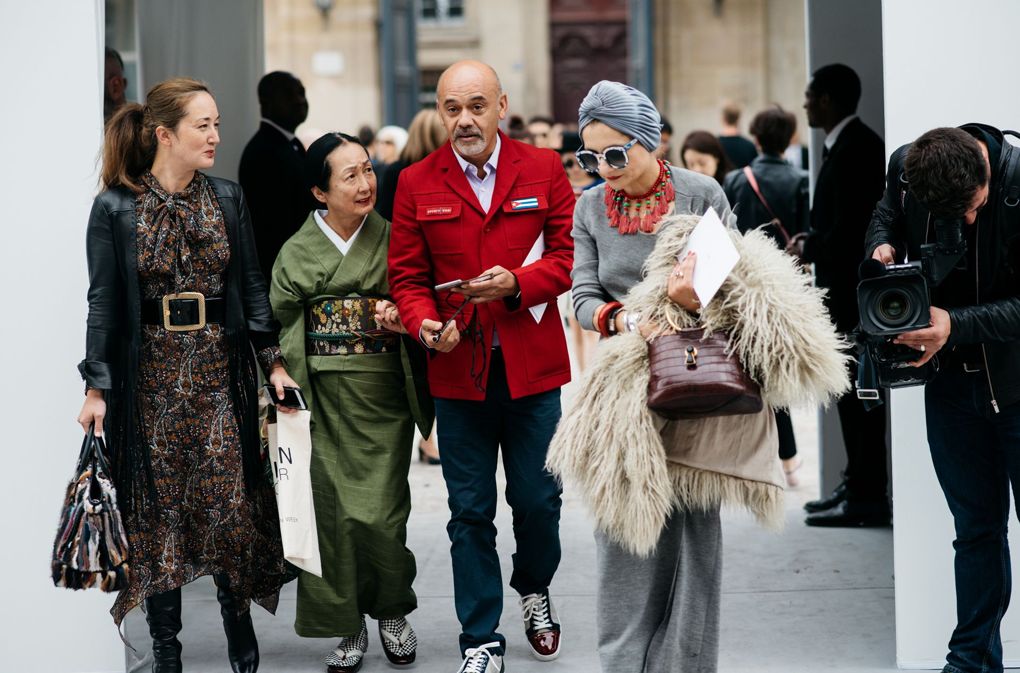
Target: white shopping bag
(290,451)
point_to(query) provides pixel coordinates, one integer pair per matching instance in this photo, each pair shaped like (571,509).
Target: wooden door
(589,43)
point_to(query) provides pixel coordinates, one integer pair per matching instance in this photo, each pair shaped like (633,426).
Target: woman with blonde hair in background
(178,318)
(425,135)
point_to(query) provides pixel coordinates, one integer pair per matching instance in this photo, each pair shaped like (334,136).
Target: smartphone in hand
(292,397)
(442,287)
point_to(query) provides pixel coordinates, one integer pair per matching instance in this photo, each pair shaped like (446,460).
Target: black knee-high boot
(163,612)
(242,648)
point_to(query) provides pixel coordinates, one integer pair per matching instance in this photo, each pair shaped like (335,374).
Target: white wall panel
(50,128)
(946,63)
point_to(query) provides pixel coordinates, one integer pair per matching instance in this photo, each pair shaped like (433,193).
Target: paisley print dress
(205,521)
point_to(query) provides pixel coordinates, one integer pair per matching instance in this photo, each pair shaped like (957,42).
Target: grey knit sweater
(607,263)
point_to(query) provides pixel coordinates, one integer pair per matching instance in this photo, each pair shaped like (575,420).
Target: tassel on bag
(91,548)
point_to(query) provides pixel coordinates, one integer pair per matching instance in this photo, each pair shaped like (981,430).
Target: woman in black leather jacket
(178,314)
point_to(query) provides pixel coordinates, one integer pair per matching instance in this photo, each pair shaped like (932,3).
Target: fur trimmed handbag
(694,375)
(91,548)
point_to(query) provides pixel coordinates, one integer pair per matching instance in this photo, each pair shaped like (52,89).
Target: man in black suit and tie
(850,183)
(272,165)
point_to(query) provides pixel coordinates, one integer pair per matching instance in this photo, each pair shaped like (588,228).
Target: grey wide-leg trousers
(661,613)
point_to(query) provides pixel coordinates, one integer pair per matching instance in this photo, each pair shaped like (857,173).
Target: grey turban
(625,109)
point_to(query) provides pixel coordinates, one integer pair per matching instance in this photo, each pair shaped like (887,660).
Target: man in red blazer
(496,215)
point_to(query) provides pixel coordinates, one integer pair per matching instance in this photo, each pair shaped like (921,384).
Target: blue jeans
(471,434)
(976,454)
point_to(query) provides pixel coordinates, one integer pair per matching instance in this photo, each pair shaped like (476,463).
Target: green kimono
(366,389)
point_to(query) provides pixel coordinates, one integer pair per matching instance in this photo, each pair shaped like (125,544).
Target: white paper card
(716,253)
(533,256)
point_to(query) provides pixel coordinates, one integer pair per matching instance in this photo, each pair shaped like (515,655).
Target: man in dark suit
(850,183)
(271,171)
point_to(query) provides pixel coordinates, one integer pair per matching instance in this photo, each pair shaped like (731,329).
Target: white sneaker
(482,660)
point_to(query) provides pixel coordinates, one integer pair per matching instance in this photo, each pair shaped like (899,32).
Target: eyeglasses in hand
(453,319)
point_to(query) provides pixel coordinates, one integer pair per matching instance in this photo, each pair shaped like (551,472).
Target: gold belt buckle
(198,296)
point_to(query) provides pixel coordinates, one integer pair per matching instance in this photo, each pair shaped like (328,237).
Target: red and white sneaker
(541,625)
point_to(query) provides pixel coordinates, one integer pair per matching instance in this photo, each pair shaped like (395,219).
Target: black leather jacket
(113,331)
(993,320)
(114,319)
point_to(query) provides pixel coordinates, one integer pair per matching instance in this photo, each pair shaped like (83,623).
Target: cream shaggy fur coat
(609,445)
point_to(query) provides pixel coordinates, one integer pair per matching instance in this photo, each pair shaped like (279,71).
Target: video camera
(895,299)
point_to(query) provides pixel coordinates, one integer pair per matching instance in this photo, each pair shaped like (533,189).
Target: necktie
(825,152)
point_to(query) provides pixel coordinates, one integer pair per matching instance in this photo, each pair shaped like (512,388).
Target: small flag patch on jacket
(524,204)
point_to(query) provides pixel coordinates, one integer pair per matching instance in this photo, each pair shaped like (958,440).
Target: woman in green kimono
(365,394)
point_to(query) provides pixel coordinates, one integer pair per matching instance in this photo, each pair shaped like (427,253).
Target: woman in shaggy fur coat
(655,486)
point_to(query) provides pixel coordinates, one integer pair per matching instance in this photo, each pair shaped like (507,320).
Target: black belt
(183,311)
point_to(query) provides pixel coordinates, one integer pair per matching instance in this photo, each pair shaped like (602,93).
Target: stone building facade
(335,55)
(705,52)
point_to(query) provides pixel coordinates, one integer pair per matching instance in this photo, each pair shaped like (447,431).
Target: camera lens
(893,307)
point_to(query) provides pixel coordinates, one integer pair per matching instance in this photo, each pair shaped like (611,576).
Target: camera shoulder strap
(761,197)
(1012,174)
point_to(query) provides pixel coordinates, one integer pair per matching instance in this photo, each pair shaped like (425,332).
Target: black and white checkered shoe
(350,653)
(398,641)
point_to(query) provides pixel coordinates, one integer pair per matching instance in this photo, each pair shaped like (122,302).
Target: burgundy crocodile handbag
(691,376)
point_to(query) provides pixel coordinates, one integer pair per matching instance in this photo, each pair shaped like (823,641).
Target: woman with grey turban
(657,612)
(655,485)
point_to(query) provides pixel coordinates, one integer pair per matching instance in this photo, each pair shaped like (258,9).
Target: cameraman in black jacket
(973,404)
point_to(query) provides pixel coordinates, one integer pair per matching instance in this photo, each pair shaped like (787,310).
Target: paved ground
(804,601)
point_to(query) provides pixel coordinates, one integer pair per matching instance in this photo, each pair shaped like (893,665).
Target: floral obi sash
(347,326)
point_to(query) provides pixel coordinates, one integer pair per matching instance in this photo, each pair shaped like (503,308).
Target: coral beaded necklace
(648,207)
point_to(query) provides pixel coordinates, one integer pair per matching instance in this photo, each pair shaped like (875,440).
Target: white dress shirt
(286,134)
(482,187)
(833,136)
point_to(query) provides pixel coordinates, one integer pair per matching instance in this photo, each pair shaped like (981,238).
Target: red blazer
(440,233)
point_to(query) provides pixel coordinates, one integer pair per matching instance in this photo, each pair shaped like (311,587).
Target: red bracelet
(602,316)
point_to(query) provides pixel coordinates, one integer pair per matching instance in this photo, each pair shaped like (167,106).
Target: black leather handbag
(91,548)
(692,376)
